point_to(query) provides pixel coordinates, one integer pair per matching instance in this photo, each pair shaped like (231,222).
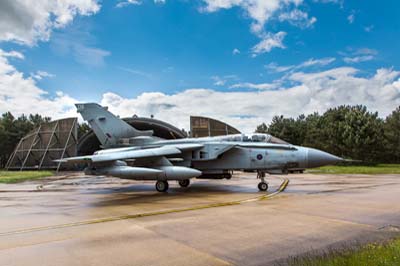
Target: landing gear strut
(184,183)
(162,186)
(262,186)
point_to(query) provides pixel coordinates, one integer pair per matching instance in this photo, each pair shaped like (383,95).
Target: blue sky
(242,61)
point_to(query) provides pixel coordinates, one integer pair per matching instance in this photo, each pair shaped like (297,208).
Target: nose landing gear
(263,185)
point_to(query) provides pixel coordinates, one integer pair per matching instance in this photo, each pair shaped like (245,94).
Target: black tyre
(162,186)
(184,183)
(262,186)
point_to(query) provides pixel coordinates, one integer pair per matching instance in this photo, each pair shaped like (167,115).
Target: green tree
(392,136)
(263,128)
(313,131)
(288,129)
(7,134)
(13,129)
(350,131)
(37,119)
(347,131)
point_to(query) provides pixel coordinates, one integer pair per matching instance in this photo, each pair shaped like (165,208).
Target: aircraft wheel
(184,183)
(162,186)
(262,186)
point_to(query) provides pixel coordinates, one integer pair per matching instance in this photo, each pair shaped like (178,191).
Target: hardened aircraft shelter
(201,126)
(59,139)
(48,142)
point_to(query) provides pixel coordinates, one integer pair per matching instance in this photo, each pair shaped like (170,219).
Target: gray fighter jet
(133,154)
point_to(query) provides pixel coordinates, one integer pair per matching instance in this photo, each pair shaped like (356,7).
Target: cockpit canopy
(254,137)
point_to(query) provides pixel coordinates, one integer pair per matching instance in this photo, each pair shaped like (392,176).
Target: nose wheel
(162,186)
(263,185)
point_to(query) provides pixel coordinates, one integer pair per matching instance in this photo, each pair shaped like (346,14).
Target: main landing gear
(162,186)
(184,183)
(263,185)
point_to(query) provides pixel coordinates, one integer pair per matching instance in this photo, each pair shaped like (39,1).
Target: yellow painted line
(281,188)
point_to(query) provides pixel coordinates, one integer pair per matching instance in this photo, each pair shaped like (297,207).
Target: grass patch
(358,169)
(20,176)
(377,254)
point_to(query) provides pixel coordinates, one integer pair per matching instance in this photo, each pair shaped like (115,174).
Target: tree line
(348,131)
(12,129)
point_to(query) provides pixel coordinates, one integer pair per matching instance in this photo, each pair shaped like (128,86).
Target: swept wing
(126,154)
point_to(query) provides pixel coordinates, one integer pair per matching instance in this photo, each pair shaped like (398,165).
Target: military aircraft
(133,154)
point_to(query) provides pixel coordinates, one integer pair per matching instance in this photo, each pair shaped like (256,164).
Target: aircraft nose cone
(317,158)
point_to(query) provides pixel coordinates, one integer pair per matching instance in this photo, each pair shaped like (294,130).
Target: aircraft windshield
(255,137)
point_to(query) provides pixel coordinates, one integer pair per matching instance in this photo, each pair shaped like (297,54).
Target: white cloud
(274,67)
(129,2)
(218,81)
(316,91)
(90,56)
(366,51)
(314,62)
(297,18)
(368,28)
(81,45)
(358,59)
(351,18)
(260,11)
(14,54)
(221,81)
(268,42)
(258,86)
(329,1)
(26,21)
(21,95)
(335,73)
(138,72)
(359,55)
(235,51)
(124,3)
(40,74)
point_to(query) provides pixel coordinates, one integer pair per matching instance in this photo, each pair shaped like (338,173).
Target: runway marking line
(281,188)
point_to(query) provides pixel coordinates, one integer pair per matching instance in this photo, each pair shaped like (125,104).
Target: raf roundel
(259,156)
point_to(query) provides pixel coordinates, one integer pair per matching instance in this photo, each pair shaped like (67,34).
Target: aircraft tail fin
(108,127)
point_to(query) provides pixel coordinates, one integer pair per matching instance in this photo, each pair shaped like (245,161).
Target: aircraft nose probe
(317,158)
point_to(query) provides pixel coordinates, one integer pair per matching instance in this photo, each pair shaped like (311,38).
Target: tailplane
(108,128)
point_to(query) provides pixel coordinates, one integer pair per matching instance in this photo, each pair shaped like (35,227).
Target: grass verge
(20,176)
(359,169)
(377,254)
